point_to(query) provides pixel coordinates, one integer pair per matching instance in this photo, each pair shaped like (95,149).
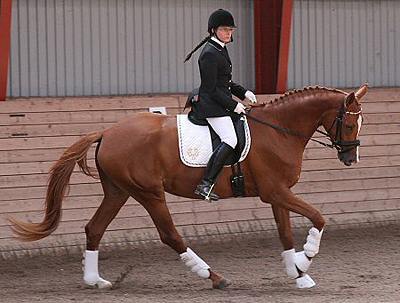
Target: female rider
(215,103)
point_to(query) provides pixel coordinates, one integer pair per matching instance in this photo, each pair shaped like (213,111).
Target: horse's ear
(361,91)
(350,99)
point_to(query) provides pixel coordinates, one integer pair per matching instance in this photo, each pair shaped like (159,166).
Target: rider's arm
(238,90)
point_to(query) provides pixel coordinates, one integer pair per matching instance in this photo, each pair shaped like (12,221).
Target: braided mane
(308,90)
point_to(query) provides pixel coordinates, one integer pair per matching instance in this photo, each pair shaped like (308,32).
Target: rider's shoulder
(209,50)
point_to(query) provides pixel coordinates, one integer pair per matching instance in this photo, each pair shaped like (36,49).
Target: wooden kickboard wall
(35,132)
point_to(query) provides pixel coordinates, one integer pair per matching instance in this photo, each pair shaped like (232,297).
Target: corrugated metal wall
(102,47)
(345,43)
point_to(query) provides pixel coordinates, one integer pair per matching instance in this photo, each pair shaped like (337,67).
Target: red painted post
(266,40)
(283,61)
(5,33)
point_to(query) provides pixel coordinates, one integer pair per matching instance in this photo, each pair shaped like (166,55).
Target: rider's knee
(231,141)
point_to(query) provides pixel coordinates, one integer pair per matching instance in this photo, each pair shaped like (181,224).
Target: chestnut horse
(139,157)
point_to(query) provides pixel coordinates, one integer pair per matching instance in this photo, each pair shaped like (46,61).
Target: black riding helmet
(218,18)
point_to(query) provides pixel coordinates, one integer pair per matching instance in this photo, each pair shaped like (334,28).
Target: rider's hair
(197,47)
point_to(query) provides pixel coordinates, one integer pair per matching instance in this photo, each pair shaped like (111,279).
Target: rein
(336,143)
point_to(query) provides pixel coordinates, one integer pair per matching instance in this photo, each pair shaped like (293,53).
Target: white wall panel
(110,47)
(344,43)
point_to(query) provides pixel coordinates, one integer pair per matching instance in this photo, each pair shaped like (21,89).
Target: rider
(215,103)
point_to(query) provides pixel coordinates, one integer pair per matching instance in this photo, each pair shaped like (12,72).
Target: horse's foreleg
(289,255)
(169,235)
(112,202)
(297,263)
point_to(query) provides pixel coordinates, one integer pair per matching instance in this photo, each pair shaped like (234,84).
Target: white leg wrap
(305,282)
(302,262)
(289,261)
(195,263)
(311,248)
(91,272)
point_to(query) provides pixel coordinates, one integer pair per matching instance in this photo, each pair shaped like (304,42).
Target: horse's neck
(304,111)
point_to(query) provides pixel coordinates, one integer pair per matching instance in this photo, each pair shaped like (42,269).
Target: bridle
(340,145)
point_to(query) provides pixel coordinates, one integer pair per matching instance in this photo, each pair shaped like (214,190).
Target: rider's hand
(239,109)
(249,95)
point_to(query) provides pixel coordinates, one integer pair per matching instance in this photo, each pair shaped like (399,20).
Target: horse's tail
(58,184)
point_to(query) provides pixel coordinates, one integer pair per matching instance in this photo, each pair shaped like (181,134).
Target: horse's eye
(350,126)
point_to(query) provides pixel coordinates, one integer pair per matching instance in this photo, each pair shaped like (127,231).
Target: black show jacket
(217,87)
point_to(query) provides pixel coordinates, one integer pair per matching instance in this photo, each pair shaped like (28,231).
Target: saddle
(238,123)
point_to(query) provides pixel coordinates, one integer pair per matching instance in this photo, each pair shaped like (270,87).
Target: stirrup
(205,190)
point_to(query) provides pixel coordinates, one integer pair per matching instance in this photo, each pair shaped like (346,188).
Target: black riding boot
(214,167)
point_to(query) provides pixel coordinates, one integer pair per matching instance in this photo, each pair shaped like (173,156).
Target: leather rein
(336,143)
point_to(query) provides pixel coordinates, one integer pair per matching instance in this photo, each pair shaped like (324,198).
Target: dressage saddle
(238,122)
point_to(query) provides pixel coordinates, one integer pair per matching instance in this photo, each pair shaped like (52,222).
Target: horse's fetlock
(91,279)
(91,272)
(195,263)
(289,261)
(311,247)
(302,262)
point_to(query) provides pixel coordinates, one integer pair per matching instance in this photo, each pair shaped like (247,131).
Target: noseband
(336,143)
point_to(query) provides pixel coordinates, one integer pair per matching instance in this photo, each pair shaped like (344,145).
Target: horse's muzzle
(348,157)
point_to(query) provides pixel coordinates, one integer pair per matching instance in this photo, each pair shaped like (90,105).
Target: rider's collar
(218,41)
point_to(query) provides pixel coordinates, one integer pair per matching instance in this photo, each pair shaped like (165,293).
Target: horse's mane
(304,91)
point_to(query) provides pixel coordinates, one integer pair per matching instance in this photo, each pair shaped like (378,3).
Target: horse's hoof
(101,284)
(104,284)
(305,282)
(221,284)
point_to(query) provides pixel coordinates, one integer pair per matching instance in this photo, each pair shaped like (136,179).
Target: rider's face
(224,33)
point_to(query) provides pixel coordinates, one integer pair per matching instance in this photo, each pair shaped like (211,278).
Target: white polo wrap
(90,263)
(289,261)
(305,282)
(302,262)
(311,248)
(91,275)
(195,263)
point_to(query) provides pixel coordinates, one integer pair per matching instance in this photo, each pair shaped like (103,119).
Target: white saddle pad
(195,146)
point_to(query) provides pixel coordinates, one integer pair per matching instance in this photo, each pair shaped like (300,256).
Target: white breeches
(224,128)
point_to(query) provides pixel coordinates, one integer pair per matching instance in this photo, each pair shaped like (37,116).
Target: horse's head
(346,126)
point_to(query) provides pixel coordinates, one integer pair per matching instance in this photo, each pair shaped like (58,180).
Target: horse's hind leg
(282,219)
(114,199)
(156,206)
